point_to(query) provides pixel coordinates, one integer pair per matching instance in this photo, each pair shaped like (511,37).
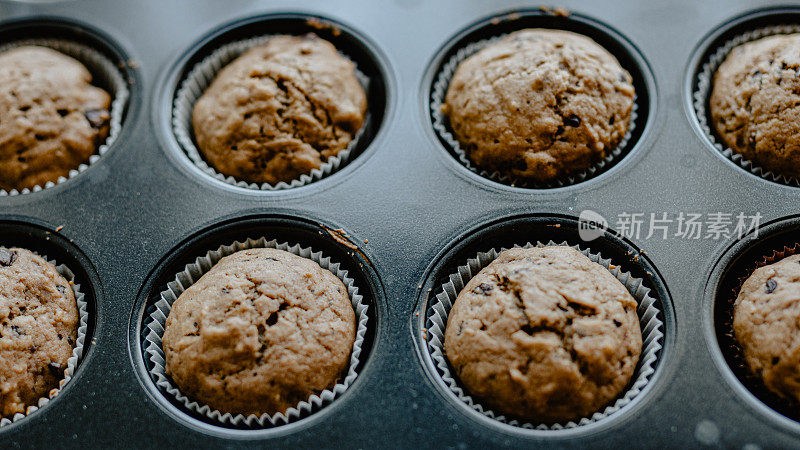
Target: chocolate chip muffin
(38,329)
(766,324)
(544,335)
(259,333)
(52,119)
(539,105)
(280,110)
(755,101)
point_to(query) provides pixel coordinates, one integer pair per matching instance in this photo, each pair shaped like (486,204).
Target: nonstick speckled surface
(143,211)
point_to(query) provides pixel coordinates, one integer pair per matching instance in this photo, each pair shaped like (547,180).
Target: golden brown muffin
(260,332)
(766,323)
(539,105)
(755,103)
(38,329)
(51,117)
(544,334)
(280,110)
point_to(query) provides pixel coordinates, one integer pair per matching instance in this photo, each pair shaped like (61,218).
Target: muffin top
(766,324)
(280,110)
(755,102)
(38,329)
(539,105)
(51,117)
(260,332)
(544,334)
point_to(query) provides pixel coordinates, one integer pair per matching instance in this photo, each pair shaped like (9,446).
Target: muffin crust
(544,334)
(539,105)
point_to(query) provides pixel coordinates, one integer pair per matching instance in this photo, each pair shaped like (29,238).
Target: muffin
(754,102)
(544,335)
(38,329)
(280,110)
(539,105)
(259,333)
(766,325)
(52,119)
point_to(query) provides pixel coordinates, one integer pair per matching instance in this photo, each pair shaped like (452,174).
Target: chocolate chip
(483,288)
(7,257)
(573,121)
(61,289)
(71,342)
(32,348)
(15,329)
(581,309)
(98,118)
(225,290)
(776,360)
(617,323)
(60,337)
(55,369)
(771,286)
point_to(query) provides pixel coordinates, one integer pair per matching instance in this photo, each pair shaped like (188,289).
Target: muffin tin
(401,215)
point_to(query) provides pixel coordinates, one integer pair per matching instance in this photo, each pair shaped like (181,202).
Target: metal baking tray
(401,215)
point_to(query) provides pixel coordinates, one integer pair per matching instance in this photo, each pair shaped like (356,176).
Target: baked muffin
(539,105)
(544,335)
(754,103)
(766,324)
(259,333)
(280,110)
(51,117)
(38,329)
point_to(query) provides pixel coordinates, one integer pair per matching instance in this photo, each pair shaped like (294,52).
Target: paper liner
(77,352)
(651,327)
(441,125)
(104,72)
(732,349)
(157,320)
(201,77)
(702,94)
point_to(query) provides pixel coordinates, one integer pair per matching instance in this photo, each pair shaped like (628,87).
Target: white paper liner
(705,83)
(104,72)
(77,352)
(201,77)
(647,311)
(441,126)
(157,320)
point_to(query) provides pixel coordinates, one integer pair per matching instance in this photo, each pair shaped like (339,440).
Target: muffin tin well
(328,240)
(731,270)
(471,39)
(105,59)
(219,47)
(657,322)
(23,233)
(709,54)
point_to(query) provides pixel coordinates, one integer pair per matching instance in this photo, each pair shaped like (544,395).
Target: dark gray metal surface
(408,198)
